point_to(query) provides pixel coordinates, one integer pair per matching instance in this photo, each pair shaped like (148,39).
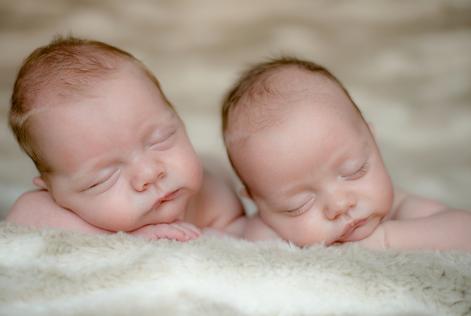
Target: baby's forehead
(278,88)
(278,93)
(70,87)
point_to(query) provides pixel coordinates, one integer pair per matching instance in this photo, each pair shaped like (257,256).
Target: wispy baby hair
(251,83)
(67,66)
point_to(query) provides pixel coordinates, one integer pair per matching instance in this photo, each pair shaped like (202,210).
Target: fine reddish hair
(66,67)
(250,80)
(252,84)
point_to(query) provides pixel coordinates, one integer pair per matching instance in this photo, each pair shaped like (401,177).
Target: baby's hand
(178,230)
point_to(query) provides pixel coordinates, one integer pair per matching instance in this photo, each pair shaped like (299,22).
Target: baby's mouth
(350,228)
(172,195)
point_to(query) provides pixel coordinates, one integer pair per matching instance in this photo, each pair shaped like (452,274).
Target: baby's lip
(169,196)
(350,228)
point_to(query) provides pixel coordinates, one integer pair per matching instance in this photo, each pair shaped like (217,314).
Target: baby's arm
(256,229)
(178,230)
(38,209)
(222,209)
(440,228)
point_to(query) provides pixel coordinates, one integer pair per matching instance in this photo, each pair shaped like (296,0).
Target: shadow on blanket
(60,273)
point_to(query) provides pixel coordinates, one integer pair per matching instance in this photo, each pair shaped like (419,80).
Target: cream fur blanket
(58,273)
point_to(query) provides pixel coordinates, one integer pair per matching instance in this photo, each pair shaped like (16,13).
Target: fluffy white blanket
(58,273)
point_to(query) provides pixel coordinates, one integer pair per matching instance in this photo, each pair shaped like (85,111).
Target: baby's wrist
(383,236)
(378,239)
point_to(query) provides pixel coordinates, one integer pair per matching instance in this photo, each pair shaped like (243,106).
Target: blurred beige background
(406,63)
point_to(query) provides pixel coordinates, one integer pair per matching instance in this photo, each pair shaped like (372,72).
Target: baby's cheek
(194,174)
(185,164)
(383,191)
(113,212)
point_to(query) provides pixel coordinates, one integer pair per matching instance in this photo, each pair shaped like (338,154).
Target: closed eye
(104,183)
(359,173)
(163,141)
(301,209)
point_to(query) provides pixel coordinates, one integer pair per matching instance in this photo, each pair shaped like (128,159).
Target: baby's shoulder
(410,206)
(217,202)
(38,209)
(29,205)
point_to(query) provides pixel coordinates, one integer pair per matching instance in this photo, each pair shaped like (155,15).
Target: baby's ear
(40,183)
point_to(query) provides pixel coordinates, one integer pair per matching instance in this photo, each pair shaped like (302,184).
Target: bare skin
(120,160)
(317,176)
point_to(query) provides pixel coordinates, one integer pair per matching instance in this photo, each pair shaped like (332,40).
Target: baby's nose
(338,204)
(146,173)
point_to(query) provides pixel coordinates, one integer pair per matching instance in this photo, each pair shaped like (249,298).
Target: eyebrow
(282,207)
(167,121)
(161,129)
(94,164)
(346,156)
(339,162)
(277,200)
(91,166)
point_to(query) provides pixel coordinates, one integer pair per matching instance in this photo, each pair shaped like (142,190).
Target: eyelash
(162,141)
(296,212)
(97,184)
(359,173)
(94,185)
(300,210)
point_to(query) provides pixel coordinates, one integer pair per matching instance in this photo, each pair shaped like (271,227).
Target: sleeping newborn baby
(112,153)
(310,162)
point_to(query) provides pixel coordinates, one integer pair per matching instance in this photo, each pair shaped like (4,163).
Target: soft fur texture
(61,273)
(407,65)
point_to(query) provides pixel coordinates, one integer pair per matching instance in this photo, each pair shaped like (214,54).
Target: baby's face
(316,175)
(120,158)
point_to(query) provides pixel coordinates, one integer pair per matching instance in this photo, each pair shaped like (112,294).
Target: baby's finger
(171,232)
(188,232)
(161,231)
(195,230)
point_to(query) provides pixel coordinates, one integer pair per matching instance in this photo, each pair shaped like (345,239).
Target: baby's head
(305,154)
(107,143)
